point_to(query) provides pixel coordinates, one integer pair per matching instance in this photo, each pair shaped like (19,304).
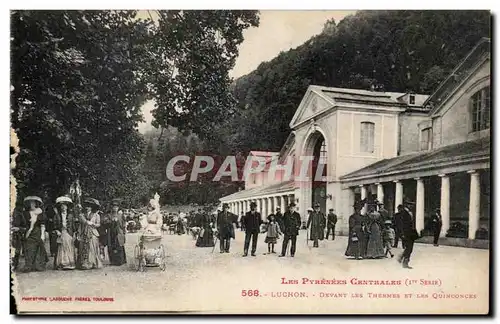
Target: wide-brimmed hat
(292,205)
(253,204)
(225,205)
(330,209)
(388,222)
(317,205)
(278,207)
(407,201)
(33,198)
(64,200)
(310,209)
(91,201)
(115,202)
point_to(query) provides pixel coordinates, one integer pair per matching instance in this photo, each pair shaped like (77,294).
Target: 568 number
(250,293)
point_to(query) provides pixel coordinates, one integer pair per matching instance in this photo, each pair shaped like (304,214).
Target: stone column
(259,206)
(282,204)
(363,196)
(398,197)
(445,204)
(264,208)
(420,205)
(474,203)
(380,193)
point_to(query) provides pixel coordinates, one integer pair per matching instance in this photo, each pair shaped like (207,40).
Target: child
(388,237)
(273,233)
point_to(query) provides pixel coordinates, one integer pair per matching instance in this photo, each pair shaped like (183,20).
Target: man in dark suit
(251,221)
(279,217)
(437,224)
(332,221)
(291,226)
(409,234)
(225,221)
(398,226)
(316,222)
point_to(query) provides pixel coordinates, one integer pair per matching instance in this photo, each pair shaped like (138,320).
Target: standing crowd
(276,224)
(372,236)
(78,237)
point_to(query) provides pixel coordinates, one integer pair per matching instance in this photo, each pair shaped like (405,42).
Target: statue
(154,219)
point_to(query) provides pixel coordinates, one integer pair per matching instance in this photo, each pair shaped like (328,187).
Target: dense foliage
(79,79)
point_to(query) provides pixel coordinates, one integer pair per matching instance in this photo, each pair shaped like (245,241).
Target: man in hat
(437,224)
(316,222)
(409,233)
(278,216)
(398,227)
(241,217)
(225,221)
(332,221)
(291,226)
(251,222)
(384,213)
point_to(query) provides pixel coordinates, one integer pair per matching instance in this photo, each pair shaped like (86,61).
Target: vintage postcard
(250,162)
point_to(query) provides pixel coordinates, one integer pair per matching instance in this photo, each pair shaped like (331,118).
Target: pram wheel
(138,259)
(163,262)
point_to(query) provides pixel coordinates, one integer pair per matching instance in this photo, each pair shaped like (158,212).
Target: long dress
(65,252)
(116,244)
(375,246)
(355,247)
(35,253)
(316,222)
(88,251)
(207,239)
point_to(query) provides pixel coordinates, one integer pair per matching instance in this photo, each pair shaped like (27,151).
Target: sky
(278,31)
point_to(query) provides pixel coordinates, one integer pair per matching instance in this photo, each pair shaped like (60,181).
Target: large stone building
(433,150)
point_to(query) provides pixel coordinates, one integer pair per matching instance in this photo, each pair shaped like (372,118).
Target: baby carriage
(149,252)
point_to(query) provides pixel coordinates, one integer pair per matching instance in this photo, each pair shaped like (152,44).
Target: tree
(193,52)
(79,79)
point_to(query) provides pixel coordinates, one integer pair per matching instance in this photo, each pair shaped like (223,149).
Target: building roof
(470,63)
(263,153)
(356,95)
(274,188)
(450,153)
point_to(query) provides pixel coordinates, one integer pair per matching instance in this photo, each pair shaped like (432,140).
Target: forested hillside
(390,50)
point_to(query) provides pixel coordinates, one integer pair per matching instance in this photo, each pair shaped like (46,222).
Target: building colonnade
(266,205)
(474,201)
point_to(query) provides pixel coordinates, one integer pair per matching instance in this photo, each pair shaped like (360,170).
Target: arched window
(480,109)
(322,153)
(425,139)
(367,137)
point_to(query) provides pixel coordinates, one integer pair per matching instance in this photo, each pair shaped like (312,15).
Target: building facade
(349,144)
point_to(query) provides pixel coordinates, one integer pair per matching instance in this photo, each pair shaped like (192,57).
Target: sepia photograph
(250,162)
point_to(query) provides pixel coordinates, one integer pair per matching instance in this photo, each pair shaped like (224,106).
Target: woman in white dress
(34,253)
(64,229)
